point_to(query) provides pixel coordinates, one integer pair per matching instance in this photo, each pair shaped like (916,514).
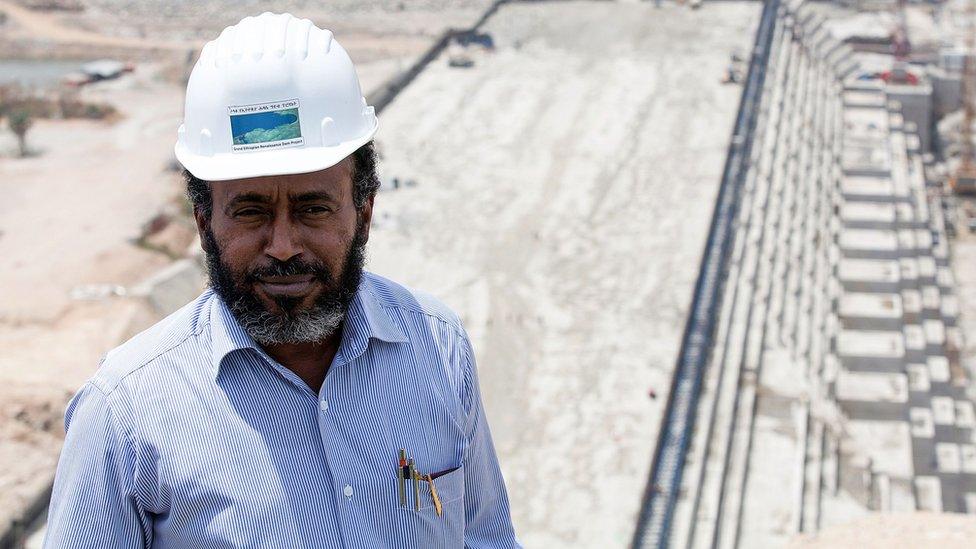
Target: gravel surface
(564,186)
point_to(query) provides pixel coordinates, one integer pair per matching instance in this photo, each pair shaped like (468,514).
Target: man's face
(286,253)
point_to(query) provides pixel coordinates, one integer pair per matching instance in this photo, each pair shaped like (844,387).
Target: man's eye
(247,212)
(315,210)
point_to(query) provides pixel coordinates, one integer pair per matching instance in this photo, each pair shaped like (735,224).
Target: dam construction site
(717,259)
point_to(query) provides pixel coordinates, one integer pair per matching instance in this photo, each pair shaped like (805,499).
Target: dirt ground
(887,530)
(70,213)
(563,189)
(375,30)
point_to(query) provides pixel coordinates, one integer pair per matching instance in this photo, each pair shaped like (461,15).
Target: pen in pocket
(402,477)
(416,487)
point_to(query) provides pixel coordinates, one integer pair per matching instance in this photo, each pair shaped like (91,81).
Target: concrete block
(902,496)
(871,311)
(916,106)
(905,216)
(895,120)
(872,387)
(938,369)
(928,492)
(914,339)
(970,501)
(945,277)
(931,298)
(923,241)
(947,458)
(173,287)
(867,157)
(950,308)
(869,244)
(868,215)
(909,270)
(967,454)
(965,417)
(943,410)
(868,189)
(871,350)
(887,443)
(918,378)
(922,425)
(911,302)
(914,241)
(935,334)
(865,275)
(954,339)
(927,268)
(863,98)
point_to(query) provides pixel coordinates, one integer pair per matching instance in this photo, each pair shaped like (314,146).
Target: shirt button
(347,491)
(324,406)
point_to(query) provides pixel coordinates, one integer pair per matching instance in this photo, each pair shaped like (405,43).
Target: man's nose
(284,242)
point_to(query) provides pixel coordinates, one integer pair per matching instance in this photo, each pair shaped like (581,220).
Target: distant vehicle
(476,39)
(460,60)
(106,69)
(76,79)
(733,75)
(103,69)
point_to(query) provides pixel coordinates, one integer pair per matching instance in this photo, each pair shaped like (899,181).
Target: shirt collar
(365,320)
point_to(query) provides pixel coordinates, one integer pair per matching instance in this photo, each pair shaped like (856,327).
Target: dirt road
(44,26)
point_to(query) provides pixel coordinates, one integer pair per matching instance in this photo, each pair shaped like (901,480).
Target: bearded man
(299,401)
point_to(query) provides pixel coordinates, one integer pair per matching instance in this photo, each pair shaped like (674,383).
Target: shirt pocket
(423,525)
(449,486)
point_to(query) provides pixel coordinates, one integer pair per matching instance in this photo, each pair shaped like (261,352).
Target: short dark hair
(365,182)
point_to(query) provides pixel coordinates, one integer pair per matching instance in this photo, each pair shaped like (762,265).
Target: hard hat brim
(286,161)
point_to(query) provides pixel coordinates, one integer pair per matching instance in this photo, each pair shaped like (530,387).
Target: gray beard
(304,327)
(315,324)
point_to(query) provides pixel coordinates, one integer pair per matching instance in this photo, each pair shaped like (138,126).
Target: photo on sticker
(264,127)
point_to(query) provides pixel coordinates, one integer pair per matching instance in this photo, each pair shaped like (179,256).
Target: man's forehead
(335,181)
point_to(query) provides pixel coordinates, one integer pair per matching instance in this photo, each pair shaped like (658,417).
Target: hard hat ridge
(271,34)
(272,95)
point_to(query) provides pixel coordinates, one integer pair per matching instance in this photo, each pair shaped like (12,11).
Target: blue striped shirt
(190,435)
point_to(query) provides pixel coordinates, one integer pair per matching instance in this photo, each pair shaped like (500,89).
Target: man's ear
(365,216)
(203,223)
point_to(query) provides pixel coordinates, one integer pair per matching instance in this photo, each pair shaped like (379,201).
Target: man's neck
(309,361)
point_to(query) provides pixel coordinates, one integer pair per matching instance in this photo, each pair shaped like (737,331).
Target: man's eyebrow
(312,196)
(249,197)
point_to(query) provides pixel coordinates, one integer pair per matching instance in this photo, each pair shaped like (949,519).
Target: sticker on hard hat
(265,126)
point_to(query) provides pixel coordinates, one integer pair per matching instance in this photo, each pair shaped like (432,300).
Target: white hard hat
(272,95)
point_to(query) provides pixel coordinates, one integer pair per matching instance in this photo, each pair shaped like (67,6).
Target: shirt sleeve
(488,522)
(94,504)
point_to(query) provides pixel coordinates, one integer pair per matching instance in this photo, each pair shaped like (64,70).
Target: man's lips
(287,285)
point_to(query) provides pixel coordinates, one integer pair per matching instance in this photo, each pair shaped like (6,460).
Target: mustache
(295,266)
